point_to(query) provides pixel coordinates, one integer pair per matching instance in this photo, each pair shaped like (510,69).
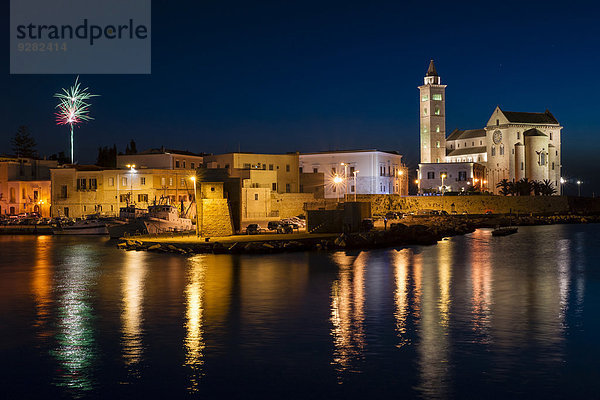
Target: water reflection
(347,311)
(481,282)
(132,288)
(194,340)
(402,261)
(75,351)
(41,285)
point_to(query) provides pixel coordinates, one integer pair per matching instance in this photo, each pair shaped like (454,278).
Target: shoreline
(409,231)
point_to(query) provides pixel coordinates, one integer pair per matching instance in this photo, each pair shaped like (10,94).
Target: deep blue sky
(307,76)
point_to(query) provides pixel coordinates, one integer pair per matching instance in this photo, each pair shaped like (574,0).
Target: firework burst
(73,108)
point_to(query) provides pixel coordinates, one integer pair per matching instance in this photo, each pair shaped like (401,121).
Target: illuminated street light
(345,178)
(337,180)
(579,188)
(443,176)
(131,171)
(562,182)
(193,178)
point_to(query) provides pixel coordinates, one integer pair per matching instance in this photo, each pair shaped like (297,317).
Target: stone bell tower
(433,117)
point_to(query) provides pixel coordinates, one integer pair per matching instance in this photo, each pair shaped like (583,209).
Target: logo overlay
(80,37)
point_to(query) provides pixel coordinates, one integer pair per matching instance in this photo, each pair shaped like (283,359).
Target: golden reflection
(401,261)
(194,340)
(41,285)
(481,270)
(445,274)
(347,310)
(132,287)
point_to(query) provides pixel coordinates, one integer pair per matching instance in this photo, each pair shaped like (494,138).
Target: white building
(512,146)
(375,171)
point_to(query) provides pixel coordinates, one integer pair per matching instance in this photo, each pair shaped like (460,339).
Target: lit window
(425,129)
(437,144)
(124,182)
(163,181)
(437,110)
(425,97)
(170,181)
(111,181)
(143,181)
(437,128)
(437,96)
(437,160)
(425,111)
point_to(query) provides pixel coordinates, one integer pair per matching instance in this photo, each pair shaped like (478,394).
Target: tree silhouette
(504,186)
(23,143)
(547,188)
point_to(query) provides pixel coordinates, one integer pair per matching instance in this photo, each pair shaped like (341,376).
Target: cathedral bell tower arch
(432,99)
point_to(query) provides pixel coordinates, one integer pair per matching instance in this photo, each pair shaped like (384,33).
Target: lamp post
(345,178)
(562,182)
(193,178)
(355,185)
(579,188)
(443,177)
(337,180)
(132,171)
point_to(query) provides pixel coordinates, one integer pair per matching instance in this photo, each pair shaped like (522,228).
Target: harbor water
(474,316)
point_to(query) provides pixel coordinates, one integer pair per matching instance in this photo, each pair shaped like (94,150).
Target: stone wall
(290,204)
(216,220)
(380,204)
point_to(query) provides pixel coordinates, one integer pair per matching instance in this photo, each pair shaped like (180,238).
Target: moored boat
(507,230)
(82,227)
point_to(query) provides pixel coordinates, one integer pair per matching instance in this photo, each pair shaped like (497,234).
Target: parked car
(273,225)
(285,228)
(366,224)
(393,215)
(253,229)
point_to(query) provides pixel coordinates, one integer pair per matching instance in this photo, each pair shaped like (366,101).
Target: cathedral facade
(512,146)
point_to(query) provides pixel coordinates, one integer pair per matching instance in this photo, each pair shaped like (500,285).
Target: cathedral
(513,145)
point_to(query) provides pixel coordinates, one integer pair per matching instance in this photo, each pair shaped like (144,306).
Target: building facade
(358,171)
(161,159)
(80,190)
(25,186)
(512,146)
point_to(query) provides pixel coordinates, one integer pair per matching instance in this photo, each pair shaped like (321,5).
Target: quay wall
(286,205)
(479,204)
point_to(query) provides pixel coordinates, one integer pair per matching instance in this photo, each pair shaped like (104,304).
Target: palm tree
(537,187)
(547,188)
(524,187)
(504,186)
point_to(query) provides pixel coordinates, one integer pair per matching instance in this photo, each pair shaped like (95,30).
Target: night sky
(310,76)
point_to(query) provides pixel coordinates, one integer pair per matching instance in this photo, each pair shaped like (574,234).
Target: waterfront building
(512,146)
(25,185)
(376,172)
(80,190)
(162,159)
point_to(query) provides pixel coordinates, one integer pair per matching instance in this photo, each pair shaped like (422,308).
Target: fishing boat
(90,226)
(505,231)
(157,219)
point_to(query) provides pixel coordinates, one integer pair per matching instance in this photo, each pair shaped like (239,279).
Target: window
(142,198)
(246,165)
(493,151)
(522,166)
(226,166)
(518,135)
(315,170)
(287,167)
(193,165)
(81,184)
(333,170)
(143,180)
(36,193)
(352,169)
(300,169)
(123,181)
(550,135)
(552,170)
(182,182)
(437,110)
(425,97)
(123,198)
(183,163)
(163,181)
(288,188)
(437,128)
(425,111)
(255,196)
(542,158)
(93,184)
(176,163)
(66,211)
(111,181)
(352,188)
(502,150)
(497,122)
(170,181)
(182,198)
(472,143)
(481,142)
(270,167)
(437,160)
(462,175)
(437,144)
(63,191)
(437,96)
(274,187)
(425,129)
(431,175)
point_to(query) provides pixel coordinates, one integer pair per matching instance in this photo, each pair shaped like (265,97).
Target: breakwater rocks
(397,235)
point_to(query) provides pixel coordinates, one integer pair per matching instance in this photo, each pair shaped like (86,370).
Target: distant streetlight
(193,178)
(579,188)
(562,182)
(443,177)
(132,171)
(336,181)
(355,185)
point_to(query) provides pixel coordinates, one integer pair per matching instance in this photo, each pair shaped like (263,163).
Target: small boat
(507,230)
(84,227)
(165,218)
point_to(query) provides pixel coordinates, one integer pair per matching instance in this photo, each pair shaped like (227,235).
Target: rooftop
(530,118)
(466,134)
(467,150)
(352,151)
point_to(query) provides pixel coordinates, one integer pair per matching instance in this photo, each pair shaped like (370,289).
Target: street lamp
(132,171)
(579,188)
(337,180)
(562,182)
(443,177)
(355,186)
(345,178)
(193,178)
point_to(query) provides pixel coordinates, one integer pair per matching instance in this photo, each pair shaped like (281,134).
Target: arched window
(437,128)
(501,150)
(542,158)
(425,111)
(437,110)
(493,151)
(425,130)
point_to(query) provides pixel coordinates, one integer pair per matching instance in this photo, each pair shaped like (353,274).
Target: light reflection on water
(474,311)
